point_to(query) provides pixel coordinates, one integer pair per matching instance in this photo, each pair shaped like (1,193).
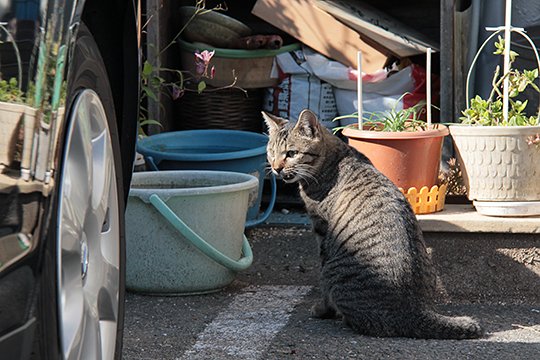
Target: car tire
(81,301)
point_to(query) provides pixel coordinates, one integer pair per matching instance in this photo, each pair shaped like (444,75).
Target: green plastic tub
(184,230)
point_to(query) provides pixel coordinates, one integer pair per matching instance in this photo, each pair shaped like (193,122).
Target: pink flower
(204,56)
(533,140)
(212,72)
(202,60)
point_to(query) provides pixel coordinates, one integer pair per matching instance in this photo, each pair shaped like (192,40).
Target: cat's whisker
(306,173)
(267,169)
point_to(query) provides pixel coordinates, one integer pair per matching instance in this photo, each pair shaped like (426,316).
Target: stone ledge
(454,218)
(464,218)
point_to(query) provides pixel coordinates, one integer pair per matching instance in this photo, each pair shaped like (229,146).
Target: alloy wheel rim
(88,236)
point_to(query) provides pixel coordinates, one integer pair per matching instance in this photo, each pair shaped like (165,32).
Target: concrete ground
(264,313)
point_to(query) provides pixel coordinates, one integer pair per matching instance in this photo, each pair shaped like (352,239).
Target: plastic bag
(401,90)
(298,89)
(376,96)
(310,80)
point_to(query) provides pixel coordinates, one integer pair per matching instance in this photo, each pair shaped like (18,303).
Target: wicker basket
(231,109)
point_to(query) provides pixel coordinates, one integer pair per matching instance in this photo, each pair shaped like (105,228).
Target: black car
(69,94)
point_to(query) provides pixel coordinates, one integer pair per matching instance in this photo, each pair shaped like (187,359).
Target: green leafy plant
(489,112)
(10,91)
(395,120)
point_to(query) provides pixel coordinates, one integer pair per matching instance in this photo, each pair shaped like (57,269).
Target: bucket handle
(207,249)
(270,207)
(151,163)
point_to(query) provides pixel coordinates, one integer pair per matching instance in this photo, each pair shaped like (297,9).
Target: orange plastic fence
(426,200)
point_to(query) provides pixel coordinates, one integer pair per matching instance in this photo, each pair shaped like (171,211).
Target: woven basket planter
(231,109)
(248,69)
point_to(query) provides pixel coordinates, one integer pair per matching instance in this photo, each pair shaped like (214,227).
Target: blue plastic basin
(223,150)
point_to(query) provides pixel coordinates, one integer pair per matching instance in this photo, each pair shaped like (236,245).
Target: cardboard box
(305,21)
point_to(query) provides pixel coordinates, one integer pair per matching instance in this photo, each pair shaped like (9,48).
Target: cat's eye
(292,153)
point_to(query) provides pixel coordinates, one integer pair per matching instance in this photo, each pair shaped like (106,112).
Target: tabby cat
(376,273)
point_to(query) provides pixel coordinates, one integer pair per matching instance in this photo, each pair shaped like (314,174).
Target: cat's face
(294,151)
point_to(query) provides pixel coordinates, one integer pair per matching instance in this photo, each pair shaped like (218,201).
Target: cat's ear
(308,125)
(274,123)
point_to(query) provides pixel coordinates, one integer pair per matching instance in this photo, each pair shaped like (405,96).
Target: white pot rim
(477,130)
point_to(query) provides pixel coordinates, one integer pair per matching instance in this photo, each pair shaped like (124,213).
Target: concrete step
(464,218)
(471,266)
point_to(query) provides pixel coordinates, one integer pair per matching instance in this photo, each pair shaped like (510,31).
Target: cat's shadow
(488,269)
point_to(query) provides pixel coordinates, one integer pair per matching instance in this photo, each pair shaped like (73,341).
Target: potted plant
(497,146)
(406,149)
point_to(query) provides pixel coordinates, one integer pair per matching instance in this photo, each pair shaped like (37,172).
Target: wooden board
(395,37)
(305,21)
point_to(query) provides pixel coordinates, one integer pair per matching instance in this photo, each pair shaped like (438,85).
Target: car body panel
(37,36)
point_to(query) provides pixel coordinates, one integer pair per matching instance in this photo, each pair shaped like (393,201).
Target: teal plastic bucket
(222,150)
(184,230)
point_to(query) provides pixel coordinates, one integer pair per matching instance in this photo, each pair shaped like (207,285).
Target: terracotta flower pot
(408,159)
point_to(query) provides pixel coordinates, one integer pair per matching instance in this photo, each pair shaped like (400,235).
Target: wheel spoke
(77,185)
(91,340)
(101,157)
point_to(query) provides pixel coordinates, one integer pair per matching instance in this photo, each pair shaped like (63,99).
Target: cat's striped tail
(431,325)
(420,324)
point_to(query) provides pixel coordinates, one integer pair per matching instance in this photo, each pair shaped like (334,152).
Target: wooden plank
(314,27)
(394,36)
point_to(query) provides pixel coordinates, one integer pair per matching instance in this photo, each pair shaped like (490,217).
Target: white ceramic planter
(497,162)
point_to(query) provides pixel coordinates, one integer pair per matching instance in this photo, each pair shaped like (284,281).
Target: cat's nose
(277,166)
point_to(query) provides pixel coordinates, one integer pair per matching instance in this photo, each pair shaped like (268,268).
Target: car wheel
(87,259)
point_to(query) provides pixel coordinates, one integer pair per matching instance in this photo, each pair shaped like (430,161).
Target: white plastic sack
(298,89)
(337,74)
(332,72)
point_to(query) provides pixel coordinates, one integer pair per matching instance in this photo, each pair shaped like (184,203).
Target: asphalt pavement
(264,314)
